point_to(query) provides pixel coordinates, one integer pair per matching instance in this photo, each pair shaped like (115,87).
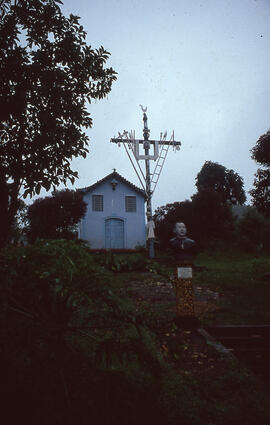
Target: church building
(115,216)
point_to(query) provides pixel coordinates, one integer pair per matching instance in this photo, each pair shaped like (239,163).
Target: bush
(266,236)
(250,229)
(69,341)
(122,262)
(56,216)
(129,263)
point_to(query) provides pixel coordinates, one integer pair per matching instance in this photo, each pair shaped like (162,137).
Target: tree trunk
(8,209)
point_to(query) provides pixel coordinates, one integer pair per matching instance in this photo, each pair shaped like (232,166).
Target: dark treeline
(215,214)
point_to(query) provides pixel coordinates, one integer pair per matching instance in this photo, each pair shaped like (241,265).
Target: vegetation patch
(84,341)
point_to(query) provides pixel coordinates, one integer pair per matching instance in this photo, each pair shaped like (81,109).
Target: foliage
(261,192)
(129,263)
(250,230)
(56,217)
(261,151)
(213,218)
(48,74)
(70,341)
(203,387)
(14,229)
(5,219)
(208,216)
(20,224)
(238,277)
(266,236)
(217,399)
(227,183)
(205,216)
(75,352)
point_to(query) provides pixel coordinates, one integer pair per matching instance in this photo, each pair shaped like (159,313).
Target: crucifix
(148,180)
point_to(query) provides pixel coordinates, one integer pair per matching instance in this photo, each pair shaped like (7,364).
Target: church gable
(113,178)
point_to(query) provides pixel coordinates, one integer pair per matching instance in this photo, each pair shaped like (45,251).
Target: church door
(114,233)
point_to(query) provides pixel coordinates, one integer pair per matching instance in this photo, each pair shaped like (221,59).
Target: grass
(239,279)
(237,276)
(200,385)
(192,383)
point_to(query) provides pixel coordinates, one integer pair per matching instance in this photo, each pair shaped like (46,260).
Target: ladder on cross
(161,159)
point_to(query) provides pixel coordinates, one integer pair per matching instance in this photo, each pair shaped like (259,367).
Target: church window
(97,202)
(130,203)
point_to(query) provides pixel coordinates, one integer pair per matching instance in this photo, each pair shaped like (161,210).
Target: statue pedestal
(185,315)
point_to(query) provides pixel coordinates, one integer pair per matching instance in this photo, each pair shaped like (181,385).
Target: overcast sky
(203,70)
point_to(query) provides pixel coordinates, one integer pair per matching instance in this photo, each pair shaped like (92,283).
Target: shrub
(129,263)
(250,228)
(69,341)
(266,236)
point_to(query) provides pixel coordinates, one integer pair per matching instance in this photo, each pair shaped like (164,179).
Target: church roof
(113,175)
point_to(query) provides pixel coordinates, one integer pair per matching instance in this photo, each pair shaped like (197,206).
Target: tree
(261,192)
(167,215)
(48,74)
(226,182)
(4,216)
(261,151)
(208,216)
(213,219)
(20,224)
(250,230)
(205,216)
(56,217)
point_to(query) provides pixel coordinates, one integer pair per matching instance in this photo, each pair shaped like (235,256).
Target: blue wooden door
(114,233)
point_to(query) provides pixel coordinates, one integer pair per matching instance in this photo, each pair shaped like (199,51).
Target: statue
(183,247)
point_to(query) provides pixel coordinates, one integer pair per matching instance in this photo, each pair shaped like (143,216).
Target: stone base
(184,297)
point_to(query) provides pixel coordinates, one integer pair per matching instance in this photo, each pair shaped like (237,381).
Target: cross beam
(135,143)
(152,142)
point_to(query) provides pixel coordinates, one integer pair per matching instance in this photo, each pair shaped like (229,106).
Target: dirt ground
(188,350)
(153,289)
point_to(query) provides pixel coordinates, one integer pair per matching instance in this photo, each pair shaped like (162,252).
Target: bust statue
(183,247)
